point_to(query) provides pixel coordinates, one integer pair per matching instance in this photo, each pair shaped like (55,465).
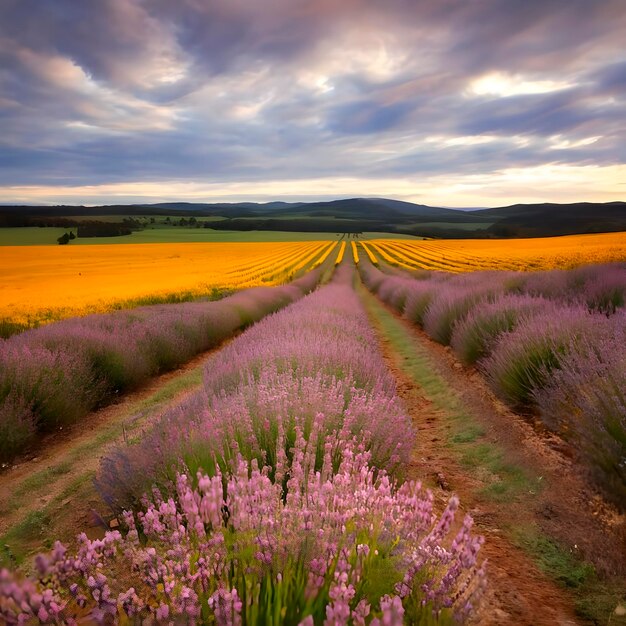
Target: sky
(462,103)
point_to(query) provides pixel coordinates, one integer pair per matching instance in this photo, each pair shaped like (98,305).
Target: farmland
(377,432)
(161,233)
(312,313)
(522,254)
(47,283)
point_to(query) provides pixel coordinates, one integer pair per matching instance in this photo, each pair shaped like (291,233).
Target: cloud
(113,92)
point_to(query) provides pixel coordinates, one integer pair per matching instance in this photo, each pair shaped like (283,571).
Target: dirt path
(50,494)
(524,494)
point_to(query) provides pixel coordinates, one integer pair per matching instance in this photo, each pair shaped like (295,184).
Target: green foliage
(8,327)
(31,529)
(520,375)
(558,562)
(478,336)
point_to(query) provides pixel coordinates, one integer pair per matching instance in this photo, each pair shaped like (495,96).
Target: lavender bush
(418,299)
(448,306)
(602,288)
(476,334)
(524,360)
(56,374)
(345,546)
(585,401)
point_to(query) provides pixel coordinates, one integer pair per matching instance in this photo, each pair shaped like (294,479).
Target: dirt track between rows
(61,447)
(565,508)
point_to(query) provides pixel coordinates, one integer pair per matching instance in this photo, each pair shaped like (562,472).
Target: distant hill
(534,220)
(355,215)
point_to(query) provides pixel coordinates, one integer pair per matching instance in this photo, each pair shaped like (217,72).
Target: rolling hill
(357,215)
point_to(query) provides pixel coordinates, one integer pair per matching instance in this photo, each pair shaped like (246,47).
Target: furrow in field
(534,254)
(388,257)
(421,257)
(369,253)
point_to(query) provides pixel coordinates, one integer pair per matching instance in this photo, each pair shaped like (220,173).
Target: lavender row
(548,342)
(275,497)
(310,367)
(54,375)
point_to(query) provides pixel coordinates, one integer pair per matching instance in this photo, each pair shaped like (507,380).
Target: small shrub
(58,388)
(474,336)
(418,299)
(449,306)
(523,361)
(585,402)
(17,426)
(393,291)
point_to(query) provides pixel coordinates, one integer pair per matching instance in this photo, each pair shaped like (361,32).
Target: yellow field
(355,253)
(466,255)
(370,254)
(342,250)
(48,282)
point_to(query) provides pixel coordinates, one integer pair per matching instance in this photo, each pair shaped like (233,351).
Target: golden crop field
(466,255)
(39,283)
(355,253)
(342,250)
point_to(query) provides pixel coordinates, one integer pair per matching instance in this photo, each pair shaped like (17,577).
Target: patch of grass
(8,327)
(599,603)
(469,434)
(558,562)
(189,295)
(74,487)
(37,481)
(596,600)
(42,478)
(14,543)
(38,530)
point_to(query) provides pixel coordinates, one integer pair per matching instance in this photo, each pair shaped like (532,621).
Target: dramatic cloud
(442,101)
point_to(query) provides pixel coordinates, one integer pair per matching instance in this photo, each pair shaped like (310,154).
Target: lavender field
(54,375)
(274,495)
(289,486)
